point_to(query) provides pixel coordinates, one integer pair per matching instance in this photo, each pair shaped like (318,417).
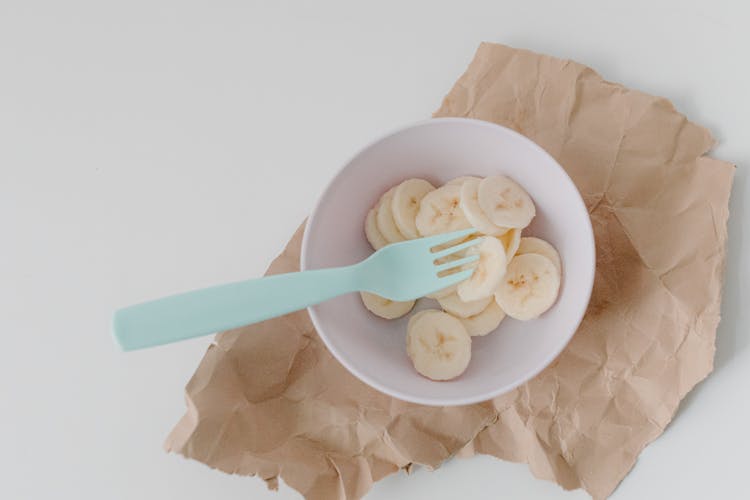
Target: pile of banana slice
(514,276)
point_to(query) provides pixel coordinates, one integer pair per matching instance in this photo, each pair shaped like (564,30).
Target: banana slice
(505,203)
(415,316)
(438,345)
(439,212)
(454,305)
(510,241)
(541,247)
(488,271)
(385,308)
(458,181)
(474,214)
(442,293)
(384,218)
(485,322)
(529,288)
(376,239)
(405,205)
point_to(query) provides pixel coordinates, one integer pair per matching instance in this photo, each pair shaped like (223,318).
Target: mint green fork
(401,271)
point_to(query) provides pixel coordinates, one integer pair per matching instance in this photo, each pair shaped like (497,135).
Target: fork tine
(457,248)
(454,279)
(441,239)
(457,263)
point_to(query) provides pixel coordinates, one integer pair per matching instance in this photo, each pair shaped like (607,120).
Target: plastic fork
(401,271)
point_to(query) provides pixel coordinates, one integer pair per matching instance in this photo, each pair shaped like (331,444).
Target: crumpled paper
(261,406)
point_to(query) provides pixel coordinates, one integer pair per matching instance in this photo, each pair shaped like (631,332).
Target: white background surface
(149,147)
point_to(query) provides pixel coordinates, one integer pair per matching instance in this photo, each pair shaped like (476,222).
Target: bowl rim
(487,395)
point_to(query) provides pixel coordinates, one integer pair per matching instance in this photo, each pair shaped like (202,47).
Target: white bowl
(438,150)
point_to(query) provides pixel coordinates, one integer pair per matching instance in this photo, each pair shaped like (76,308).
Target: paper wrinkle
(287,409)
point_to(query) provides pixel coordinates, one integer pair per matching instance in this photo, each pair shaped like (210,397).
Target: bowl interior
(439,150)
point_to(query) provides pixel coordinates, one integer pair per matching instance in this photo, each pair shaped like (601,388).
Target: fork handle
(223,307)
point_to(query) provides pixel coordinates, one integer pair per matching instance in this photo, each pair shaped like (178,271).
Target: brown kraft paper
(269,400)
